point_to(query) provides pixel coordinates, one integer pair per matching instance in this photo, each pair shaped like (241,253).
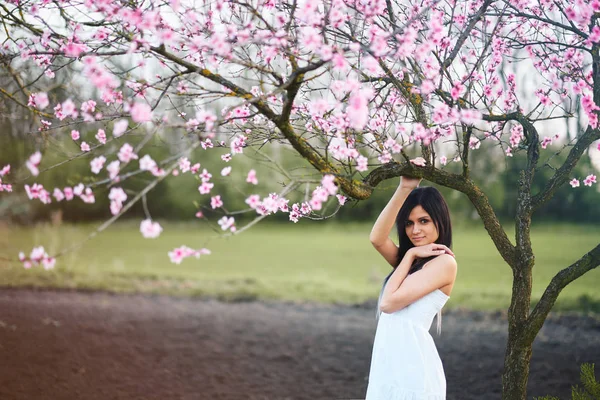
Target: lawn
(314,261)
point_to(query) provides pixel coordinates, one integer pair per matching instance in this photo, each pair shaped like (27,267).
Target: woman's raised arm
(380,234)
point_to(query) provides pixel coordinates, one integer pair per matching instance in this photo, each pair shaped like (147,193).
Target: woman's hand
(429,250)
(409,183)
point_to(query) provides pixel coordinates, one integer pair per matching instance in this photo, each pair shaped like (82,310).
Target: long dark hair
(434,204)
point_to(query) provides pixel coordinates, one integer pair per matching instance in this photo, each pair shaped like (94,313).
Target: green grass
(322,262)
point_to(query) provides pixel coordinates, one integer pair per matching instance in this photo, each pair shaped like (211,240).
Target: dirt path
(69,345)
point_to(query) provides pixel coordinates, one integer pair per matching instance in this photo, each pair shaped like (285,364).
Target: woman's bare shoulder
(443,261)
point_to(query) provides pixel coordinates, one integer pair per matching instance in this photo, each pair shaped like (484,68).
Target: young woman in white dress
(405,364)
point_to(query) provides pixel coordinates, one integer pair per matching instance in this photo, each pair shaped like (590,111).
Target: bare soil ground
(73,345)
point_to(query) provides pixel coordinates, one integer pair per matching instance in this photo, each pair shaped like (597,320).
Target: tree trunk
(516,370)
(518,347)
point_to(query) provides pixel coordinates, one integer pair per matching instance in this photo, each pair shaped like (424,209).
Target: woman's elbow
(384,307)
(389,307)
(376,241)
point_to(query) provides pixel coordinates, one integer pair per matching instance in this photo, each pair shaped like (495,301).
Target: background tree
(348,85)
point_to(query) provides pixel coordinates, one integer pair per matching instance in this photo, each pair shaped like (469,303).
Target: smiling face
(420,228)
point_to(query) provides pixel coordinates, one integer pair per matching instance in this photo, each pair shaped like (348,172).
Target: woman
(405,364)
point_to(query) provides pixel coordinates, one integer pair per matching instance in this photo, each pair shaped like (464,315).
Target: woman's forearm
(398,277)
(385,222)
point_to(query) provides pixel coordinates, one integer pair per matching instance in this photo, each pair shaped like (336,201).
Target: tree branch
(561,176)
(586,263)
(466,33)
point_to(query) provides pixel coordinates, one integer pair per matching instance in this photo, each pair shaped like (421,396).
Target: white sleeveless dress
(405,364)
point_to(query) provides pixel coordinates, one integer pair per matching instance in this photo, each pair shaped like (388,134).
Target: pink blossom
(97,164)
(68,109)
(78,190)
(88,106)
(474,143)
(328,183)
(227,223)
(34,191)
(589,180)
(68,191)
(179,254)
(34,162)
(38,256)
(358,109)
(470,117)
(205,187)
(457,90)
(117,197)
(113,169)
(126,153)
(443,160)
(385,157)
(341,199)
(184,164)
(574,183)
(5,170)
(315,204)
(149,229)
(85,147)
(207,144)
(120,127)
(117,194)
(216,202)
(226,157)
(199,214)
(295,216)
(419,161)
(88,196)
(101,136)
(58,194)
(38,100)
(238,144)
(205,175)
(141,112)
(516,135)
(253,201)
(362,163)
(147,163)
(75,135)
(251,178)
(72,49)
(226,171)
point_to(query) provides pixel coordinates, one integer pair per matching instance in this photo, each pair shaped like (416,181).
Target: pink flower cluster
(322,193)
(299,211)
(268,205)
(37,257)
(117,197)
(33,163)
(588,181)
(149,229)
(206,185)
(181,253)
(38,100)
(148,164)
(126,153)
(65,110)
(3,186)
(227,223)
(97,164)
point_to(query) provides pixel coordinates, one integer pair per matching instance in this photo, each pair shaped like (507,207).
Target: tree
(348,85)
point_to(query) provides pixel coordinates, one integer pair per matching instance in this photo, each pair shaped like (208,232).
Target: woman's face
(420,228)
